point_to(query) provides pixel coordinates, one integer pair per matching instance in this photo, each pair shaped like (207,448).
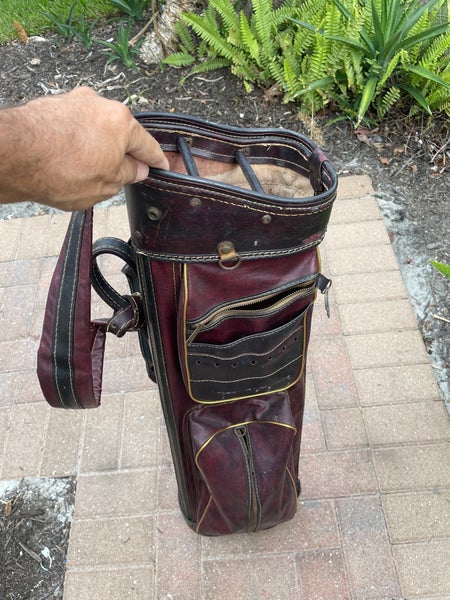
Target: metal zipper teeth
(254,509)
(238,309)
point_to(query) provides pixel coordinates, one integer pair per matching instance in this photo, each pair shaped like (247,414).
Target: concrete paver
(373,518)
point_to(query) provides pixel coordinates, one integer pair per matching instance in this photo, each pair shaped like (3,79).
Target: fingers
(131,171)
(143,147)
(141,171)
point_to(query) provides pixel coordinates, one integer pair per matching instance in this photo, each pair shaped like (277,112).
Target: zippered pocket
(239,312)
(242,454)
(246,347)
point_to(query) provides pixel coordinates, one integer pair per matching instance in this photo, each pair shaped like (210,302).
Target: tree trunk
(162,41)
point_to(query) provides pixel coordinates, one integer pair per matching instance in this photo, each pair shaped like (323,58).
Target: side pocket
(245,467)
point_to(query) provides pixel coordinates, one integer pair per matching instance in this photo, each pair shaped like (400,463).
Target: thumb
(132,170)
(141,171)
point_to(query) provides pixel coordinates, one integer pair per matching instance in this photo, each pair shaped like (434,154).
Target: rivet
(195,202)
(154,214)
(226,247)
(266,219)
(138,236)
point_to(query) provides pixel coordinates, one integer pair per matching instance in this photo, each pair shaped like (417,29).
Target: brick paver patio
(374,516)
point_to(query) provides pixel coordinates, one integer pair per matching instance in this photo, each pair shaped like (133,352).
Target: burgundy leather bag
(223,267)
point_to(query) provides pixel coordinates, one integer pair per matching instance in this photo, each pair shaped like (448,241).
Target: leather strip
(70,356)
(71,352)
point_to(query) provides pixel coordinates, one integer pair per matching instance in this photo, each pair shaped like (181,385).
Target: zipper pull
(194,334)
(324,284)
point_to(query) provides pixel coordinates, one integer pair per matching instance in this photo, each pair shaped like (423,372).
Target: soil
(35,516)
(409,164)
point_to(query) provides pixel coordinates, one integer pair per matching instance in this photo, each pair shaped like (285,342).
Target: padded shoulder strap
(71,351)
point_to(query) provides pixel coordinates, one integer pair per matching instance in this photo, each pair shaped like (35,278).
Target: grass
(29,14)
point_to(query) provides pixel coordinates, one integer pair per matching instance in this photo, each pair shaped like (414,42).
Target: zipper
(244,308)
(243,436)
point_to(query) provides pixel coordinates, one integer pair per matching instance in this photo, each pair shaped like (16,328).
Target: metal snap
(194,202)
(154,214)
(266,219)
(229,259)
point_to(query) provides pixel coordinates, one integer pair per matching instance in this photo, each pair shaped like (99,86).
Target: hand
(72,150)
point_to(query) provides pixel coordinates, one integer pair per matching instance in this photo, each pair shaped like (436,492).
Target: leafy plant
(121,49)
(84,31)
(365,56)
(399,32)
(249,46)
(441,267)
(75,25)
(134,8)
(63,25)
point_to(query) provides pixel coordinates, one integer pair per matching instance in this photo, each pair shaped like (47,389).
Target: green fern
(210,64)
(263,26)
(179,59)
(390,68)
(364,55)
(208,30)
(227,12)
(185,37)
(249,42)
(388,99)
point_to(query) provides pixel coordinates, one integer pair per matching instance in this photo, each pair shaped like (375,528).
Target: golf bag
(223,268)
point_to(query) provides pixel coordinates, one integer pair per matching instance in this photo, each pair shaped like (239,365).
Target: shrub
(359,54)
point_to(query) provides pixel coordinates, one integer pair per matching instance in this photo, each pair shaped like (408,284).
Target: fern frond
(211,64)
(245,71)
(262,23)
(390,68)
(318,63)
(283,15)
(387,101)
(185,37)
(226,10)
(209,31)
(249,42)
(435,52)
(276,72)
(179,59)
(292,84)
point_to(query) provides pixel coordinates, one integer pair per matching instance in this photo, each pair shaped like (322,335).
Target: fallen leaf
(8,508)
(272,93)
(362,137)
(384,161)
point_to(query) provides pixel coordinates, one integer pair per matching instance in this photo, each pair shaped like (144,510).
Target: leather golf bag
(224,268)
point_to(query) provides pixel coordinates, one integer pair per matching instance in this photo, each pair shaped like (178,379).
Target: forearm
(19,157)
(72,150)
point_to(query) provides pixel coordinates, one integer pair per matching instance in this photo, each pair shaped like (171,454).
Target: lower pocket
(244,464)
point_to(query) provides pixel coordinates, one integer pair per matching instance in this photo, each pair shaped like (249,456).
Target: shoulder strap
(71,351)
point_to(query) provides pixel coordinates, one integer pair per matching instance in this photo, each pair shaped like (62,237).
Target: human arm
(72,150)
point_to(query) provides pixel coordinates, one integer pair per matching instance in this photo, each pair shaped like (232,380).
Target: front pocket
(253,365)
(243,457)
(246,347)
(249,315)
